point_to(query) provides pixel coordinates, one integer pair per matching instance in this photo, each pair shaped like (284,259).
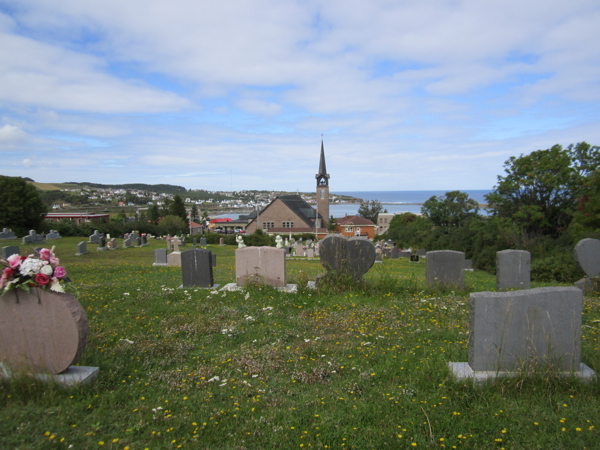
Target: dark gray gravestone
(353,256)
(404,254)
(160,257)
(81,248)
(10,250)
(414,258)
(144,241)
(445,267)
(37,251)
(468,264)
(197,268)
(587,253)
(513,269)
(138,241)
(202,242)
(194,242)
(395,253)
(421,252)
(102,244)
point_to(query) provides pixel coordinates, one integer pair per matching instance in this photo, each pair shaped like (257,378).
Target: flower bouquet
(30,271)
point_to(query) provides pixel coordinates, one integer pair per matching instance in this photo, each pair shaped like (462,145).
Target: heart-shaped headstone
(340,254)
(587,252)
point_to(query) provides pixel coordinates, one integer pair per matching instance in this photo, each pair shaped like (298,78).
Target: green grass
(364,368)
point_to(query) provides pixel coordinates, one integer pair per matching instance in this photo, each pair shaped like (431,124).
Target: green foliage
(410,230)
(195,216)
(172,225)
(177,208)
(560,267)
(259,239)
(160,188)
(154,214)
(332,225)
(450,210)
(51,197)
(586,219)
(21,208)
(370,209)
(539,191)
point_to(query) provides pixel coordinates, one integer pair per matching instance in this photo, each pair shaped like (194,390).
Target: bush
(560,267)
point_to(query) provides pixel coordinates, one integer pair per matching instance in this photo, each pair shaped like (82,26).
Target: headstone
(169,245)
(127,243)
(138,241)
(588,285)
(176,246)
(202,242)
(160,257)
(197,268)
(94,238)
(102,244)
(308,242)
(144,241)
(221,241)
(184,241)
(445,267)
(133,235)
(587,254)
(378,257)
(353,256)
(174,259)
(113,244)
(7,234)
(194,242)
(37,251)
(10,250)
(513,269)
(512,330)
(53,235)
(310,253)
(260,264)
(299,250)
(421,252)
(404,255)
(468,264)
(41,330)
(414,258)
(395,253)
(81,248)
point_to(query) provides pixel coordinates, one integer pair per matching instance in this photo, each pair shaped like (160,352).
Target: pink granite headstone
(260,264)
(41,331)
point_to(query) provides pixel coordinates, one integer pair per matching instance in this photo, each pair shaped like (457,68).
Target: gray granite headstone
(144,241)
(94,238)
(513,269)
(127,243)
(468,264)
(445,267)
(197,268)
(395,253)
(515,330)
(587,253)
(160,257)
(102,244)
(7,234)
(221,241)
(10,250)
(53,234)
(81,248)
(202,242)
(113,244)
(194,242)
(353,256)
(421,252)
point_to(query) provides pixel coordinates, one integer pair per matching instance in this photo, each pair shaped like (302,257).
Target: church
(291,214)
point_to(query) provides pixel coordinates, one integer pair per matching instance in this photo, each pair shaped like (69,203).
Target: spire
(322,169)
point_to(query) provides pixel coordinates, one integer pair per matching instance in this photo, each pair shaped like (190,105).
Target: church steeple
(322,190)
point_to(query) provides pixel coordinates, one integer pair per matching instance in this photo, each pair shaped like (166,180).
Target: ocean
(393,201)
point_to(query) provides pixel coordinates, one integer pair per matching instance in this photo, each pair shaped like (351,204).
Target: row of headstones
(7,234)
(81,248)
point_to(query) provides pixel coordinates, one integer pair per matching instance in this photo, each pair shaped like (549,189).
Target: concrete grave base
(462,371)
(313,284)
(214,286)
(160,264)
(469,270)
(73,376)
(101,249)
(79,254)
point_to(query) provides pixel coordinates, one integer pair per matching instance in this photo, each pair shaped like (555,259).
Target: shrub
(558,267)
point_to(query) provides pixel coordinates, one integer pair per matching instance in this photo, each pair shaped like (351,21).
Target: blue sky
(218,95)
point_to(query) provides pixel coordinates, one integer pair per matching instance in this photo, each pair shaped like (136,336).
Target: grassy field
(342,367)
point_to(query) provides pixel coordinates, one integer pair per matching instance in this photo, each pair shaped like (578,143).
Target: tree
(178,208)
(586,219)
(370,209)
(154,213)
(539,190)
(166,209)
(204,218)
(332,226)
(172,225)
(21,208)
(195,215)
(450,210)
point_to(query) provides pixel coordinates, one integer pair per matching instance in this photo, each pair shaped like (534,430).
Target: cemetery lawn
(257,369)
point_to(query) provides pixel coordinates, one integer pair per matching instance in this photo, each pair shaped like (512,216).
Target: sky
(233,95)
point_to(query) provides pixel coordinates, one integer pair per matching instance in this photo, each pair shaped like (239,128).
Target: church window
(267,225)
(288,224)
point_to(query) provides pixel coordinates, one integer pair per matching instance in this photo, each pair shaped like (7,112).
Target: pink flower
(14,261)
(60,272)
(45,254)
(54,261)
(42,279)
(8,272)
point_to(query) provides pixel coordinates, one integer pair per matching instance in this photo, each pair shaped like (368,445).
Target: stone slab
(513,330)
(261,264)
(197,268)
(73,376)
(214,286)
(587,254)
(513,269)
(445,267)
(10,250)
(41,331)
(587,285)
(340,254)
(81,248)
(462,371)
(174,259)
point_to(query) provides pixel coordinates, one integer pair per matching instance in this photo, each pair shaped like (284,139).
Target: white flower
(57,287)
(46,269)
(13,257)
(30,266)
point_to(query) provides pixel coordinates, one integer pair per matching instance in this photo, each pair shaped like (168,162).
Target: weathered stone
(197,268)
(10,250)
(260,264)
(221,241)
(112,244)
(81,248)
(127,243)
(202,242)
(174,259)
(102,244)
(513,269)
(94,238)
(160,257)
(524,329)
(53,234)
(7,234)
(588,285)
(587,253)
(194,242)
(353,256)
(445,267)
(468,264)
(310,253)
(41,331)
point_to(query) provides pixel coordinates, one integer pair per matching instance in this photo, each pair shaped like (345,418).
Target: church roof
(302,209)
(322,169)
